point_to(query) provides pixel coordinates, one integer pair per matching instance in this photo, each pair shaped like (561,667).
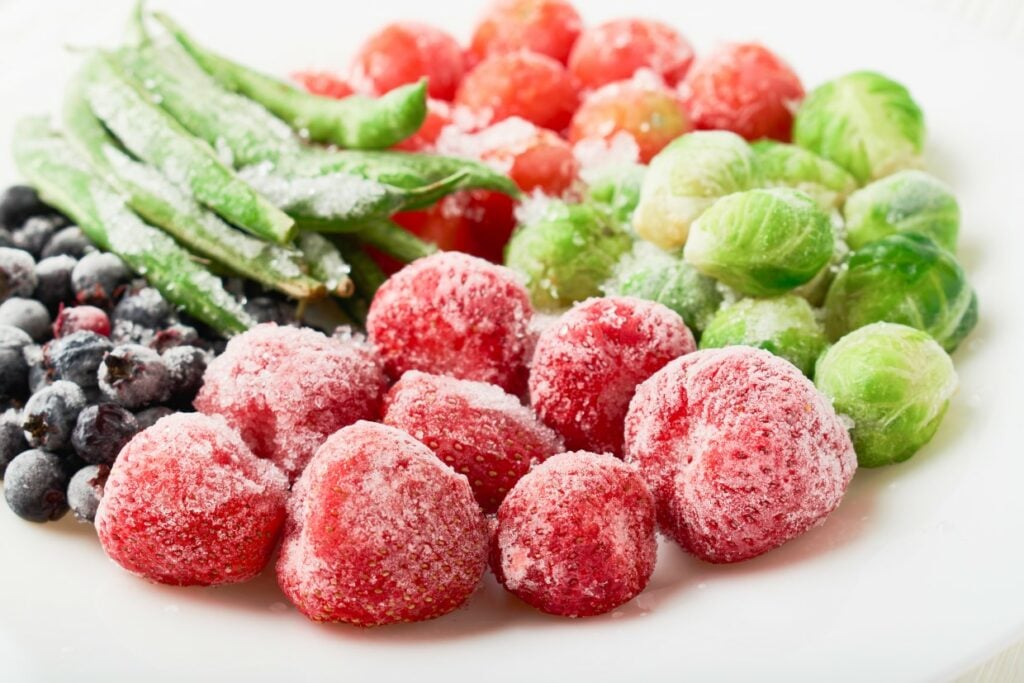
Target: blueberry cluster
(88,358)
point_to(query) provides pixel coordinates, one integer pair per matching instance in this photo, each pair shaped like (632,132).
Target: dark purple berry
(14,366)
(50,415)
(18,204)
(69,241)
(17,273)
(39,375)
(185,365)
(77,357)
(150,416)
(35,233)
(12,439)
(53,281)
(97,277)
(35,486)
(101,431)
(145,307)
(134,376)
(28,315)
(85,490)
(172,336)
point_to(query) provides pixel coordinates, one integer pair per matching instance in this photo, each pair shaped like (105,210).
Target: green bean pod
(394,240)
(326,263)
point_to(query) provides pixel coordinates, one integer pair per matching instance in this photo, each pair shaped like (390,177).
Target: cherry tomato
(477,222)
(548,27)
(323,83)
(405,52)
(617,49)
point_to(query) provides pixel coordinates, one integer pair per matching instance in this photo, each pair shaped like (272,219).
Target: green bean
(394,240)
(355,122)
(365,272)
(65,181)
(326,263)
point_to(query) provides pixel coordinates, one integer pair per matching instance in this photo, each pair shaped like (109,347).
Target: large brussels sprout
(761,242)
(782,165)
(894,382)
(904,278)
(686,178)
(566,254)
(649,273)
(785,326)
(616,187)
(817,287)
(908,201)
(865,122)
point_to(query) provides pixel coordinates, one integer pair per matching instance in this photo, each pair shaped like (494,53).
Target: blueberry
(35,233)
(101,431)
(265,309)
(51,413)
(6,238)
(97,276)
(35,485)
(126,332)
(134,376)
(186,365)
(53,281)
(14,367)
(69,241)
(17,273)
(12,439)
(145,307)
(150,416)
(174,335)
(77,357)
(18,204)
(39,375)
(85,490)
(28,315)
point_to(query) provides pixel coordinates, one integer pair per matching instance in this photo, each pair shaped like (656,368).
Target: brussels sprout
(650,273)
(785,326)
(761,242)
(782,165)
(686,178)
(904,278)
(566,254)
(908,201)
(817,287)
(865,122)
(894,382)
(616,187)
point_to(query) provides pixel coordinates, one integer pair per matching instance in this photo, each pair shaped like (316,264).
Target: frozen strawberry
(743,88)
(405,52)
(525,84)
(380,531)
(740,450)
(456,315)
(188,504)
(576,535)
(617,49)
(587,365)
(476,428)
(287,389)
(323,83)
(439,116)
(548,27)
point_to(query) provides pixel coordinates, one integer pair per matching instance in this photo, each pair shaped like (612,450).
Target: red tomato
(745,88)
(439,115)
(546,164)
(323,83)
(615,50)
(477,222)
(405,52)
(548,27)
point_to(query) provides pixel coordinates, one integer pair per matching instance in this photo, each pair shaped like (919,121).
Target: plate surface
(915,577)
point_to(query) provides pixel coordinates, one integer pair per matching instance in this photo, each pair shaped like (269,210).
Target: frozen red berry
(587,365)
(405,52)
(740,450)
(477,429)
(323,83)
(439,116)
(548,27)
(524,84)
(287,389)
(453,314)
(576,535)
(476,222)
(744,88)
(78,318)
(188,504)
(380,531)
(617,49)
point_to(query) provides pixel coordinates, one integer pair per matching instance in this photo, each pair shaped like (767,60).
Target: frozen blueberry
(85,490)
(265,309)
(51,413)
(35,233)
(134,376)
(35,485)
(28,315)
(81,318)
(12,439)
(150,416)
(174,335)
(14,367)
(77,357)
(53,281)
(97,276)
(69,241)
(102,431)
(186,365)
(6,238)
(17,273)
(39,375)
(18,204)
(145,307)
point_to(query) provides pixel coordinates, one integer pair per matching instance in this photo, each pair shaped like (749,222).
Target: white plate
(915,577)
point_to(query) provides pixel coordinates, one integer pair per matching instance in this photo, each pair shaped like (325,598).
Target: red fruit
(525,84)
(547,27)
(379,531)
(588,364)
(323,83)
(77,318)
(649,112)
(405,52)
(745,88)
(287,389)
(740,450)
(456,315)
(439,116)
(476,428)
(576,535)
(617,49)
(188,504)
(476,222)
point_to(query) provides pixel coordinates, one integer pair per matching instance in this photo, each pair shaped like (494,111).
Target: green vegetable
(617,187)
(908,201)
(904,278)
(567,254)
(394,240)
(650,273)
(894,382)
(865,122)
(686,178)
(816,288)
(326,263)
(356,122)
(785,326)
(66,182)
(364,271)
(782,165)
(761,242)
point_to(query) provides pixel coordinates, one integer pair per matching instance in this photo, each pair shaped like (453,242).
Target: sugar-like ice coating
(188,504)
(287,389)
(453,314)
(741,451)
(587,365)
(380,531)
(576,535)
(476,428)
